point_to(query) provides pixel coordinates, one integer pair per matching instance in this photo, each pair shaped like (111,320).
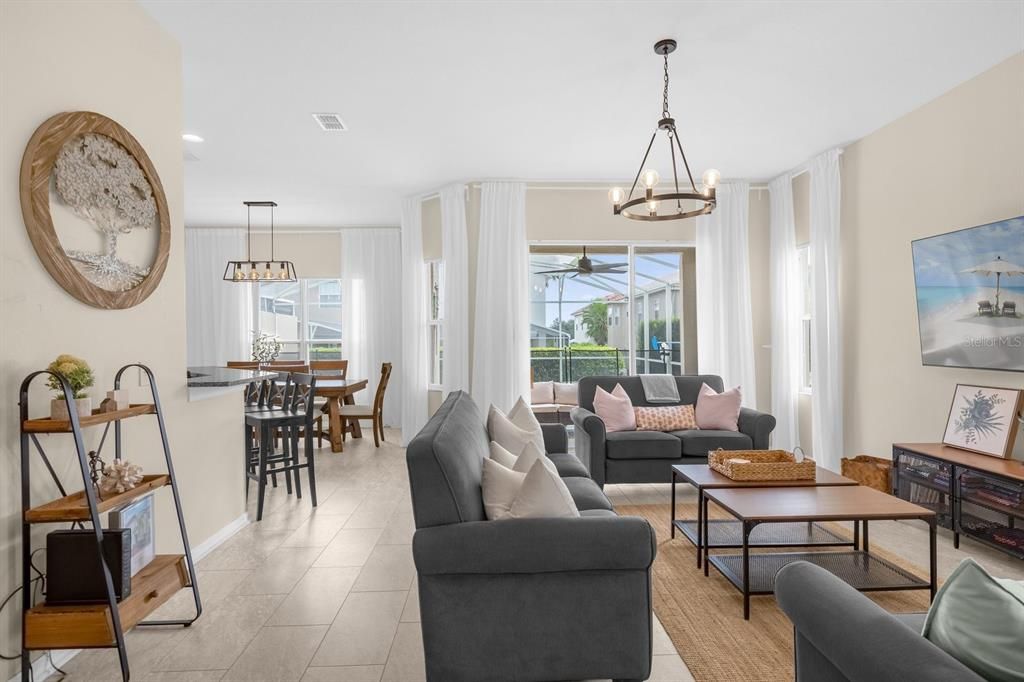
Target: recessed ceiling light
(191,137)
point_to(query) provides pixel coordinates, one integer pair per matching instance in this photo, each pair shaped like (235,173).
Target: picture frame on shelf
(984,419)
(139,517)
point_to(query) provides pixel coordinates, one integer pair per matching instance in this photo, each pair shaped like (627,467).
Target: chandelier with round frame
(668,205)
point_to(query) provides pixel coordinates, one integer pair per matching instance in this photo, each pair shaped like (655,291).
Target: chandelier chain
(664,97)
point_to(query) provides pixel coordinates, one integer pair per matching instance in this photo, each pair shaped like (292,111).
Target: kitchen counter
(207,382)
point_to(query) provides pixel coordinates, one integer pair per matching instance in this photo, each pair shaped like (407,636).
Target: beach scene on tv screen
(970,296)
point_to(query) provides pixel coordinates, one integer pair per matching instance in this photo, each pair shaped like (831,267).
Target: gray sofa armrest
(611,543)
(590,442)
(556,438)
(757,425)
(843,635)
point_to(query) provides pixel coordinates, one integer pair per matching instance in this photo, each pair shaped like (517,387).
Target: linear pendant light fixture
(668,206)
(250,270)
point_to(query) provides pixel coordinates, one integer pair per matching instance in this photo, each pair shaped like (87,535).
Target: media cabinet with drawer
(974,495)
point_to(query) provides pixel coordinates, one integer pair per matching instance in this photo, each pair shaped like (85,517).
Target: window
(435,320)
(803,255)
(305,316)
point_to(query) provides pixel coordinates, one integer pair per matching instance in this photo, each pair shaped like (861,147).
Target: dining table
(339,391)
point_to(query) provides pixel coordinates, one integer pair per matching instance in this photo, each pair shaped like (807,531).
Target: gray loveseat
(528,600)
(842,636)
(648,456)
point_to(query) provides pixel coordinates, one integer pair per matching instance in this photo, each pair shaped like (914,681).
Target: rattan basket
(874,472)
(763,465)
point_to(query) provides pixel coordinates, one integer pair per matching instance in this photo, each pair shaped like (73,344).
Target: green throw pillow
(979,620)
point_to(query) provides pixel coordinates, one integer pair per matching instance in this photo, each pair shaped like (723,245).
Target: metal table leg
(746,570)
(867,549)
(703,504)
(701,528)
(932,557)
(672,520)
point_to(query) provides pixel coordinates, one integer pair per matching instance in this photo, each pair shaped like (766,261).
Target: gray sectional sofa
(528,600)
(842,636)
(648,456)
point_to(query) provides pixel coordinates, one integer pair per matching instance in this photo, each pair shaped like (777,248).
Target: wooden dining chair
(243,364)
(332,368)
(374,412)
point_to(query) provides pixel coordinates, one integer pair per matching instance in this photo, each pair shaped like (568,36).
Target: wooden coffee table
(726,533)
(859,568)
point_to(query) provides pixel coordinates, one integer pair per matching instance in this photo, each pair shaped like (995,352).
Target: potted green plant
(79,376)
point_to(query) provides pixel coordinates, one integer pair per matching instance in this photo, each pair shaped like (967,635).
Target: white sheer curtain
(413,371)
(826,346)
(786,308)
(501,339)
(218,314)
(371,309)
(725,337)
(455,315)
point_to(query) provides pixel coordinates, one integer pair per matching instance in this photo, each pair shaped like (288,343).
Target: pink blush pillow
(615,409)
(719,411)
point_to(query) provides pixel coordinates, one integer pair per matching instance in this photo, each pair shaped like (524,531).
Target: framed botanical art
(984,419)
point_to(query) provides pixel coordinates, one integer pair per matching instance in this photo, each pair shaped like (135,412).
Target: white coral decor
(120,476)
(103,183)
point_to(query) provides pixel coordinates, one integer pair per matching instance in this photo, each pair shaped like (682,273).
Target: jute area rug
(704,616)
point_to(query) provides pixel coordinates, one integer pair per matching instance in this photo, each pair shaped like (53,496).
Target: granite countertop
(212,377)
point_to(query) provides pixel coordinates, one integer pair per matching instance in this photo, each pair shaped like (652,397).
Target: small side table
(728,534)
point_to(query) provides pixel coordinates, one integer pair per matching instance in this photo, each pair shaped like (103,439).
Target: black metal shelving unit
(96,625)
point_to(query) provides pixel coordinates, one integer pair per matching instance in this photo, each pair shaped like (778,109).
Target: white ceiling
(435,92)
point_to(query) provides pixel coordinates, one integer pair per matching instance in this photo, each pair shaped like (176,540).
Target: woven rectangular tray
(763,465)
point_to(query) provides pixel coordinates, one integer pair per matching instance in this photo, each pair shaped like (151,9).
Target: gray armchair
(648,456)
(839,635)
(524,600)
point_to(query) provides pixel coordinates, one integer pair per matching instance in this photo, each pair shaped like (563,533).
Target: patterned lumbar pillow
(666,418)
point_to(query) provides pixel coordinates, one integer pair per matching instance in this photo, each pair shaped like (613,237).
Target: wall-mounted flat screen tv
(970,296)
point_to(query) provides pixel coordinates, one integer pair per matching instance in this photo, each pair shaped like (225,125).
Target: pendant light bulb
(254,274)
(616,195)
(238,275)
(652,207)
(650,178)
(711,178)
(283,274)
(268,273)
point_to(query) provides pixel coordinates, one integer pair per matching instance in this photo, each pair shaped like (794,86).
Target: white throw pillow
(522,416)
(542,393)
(502,456)
(510,435)
(543,495)
(528,456)
(500,485)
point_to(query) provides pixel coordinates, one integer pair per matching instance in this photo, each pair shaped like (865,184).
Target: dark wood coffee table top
(832,503)
(704,477)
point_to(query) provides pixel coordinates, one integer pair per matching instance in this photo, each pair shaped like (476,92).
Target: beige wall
(956,162)
(110,58)
(760,295)
(314,253)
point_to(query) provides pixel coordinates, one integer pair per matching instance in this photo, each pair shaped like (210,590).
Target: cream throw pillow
(543,495)
(515,430)
(523,461)
(500,486)
(978,620)
(502,456)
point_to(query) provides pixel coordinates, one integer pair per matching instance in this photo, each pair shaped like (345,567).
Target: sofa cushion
(586,494)
(499,487)
(568,465)
(643,445)
(510,435)
(544,408)
(542,392)
(565,394)
(697,442)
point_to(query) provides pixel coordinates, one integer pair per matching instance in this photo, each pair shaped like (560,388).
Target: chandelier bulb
(254,274)
(650,178)
(711,178)
(238,274)
(283,274)
(616,195)
(652,207)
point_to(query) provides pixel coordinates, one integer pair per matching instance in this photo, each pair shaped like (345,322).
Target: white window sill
(805,391)
(435,387)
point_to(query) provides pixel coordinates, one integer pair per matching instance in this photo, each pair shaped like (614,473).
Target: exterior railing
(567,364)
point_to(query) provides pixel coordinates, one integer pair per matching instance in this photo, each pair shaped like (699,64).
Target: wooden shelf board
(48,425)
(74,507)
(89,625)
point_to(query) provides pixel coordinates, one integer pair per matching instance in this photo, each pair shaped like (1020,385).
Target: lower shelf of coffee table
(726,533)
(860,570)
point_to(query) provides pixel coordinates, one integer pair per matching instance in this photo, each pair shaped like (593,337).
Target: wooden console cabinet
(974,495)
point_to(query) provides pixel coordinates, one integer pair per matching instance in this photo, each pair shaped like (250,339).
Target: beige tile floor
(330,595)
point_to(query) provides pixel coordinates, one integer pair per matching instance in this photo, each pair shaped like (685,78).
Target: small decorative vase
(120,398)
(59,408)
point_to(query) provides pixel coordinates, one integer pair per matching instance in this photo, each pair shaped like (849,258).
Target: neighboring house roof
(607,298)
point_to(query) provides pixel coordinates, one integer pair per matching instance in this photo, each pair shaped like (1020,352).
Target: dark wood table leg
(703,502)
(357,430)
(672,519)
(335,426)
(746,570)
(700,523)
(933,560)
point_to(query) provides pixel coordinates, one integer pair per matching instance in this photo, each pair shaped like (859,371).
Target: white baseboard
(41,668)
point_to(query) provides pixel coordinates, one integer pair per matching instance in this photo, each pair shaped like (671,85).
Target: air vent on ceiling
(332,123)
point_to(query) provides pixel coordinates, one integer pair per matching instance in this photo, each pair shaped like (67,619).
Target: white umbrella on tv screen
(997,267)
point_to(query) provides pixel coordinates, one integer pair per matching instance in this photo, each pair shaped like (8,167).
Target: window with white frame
(803,255)
(435,321)
(304,315)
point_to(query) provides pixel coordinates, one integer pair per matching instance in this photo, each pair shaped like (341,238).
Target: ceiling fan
(585,266)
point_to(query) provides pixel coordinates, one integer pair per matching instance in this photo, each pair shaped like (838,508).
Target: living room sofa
(552,401)
(839,635)
(648,456)
(528,600)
